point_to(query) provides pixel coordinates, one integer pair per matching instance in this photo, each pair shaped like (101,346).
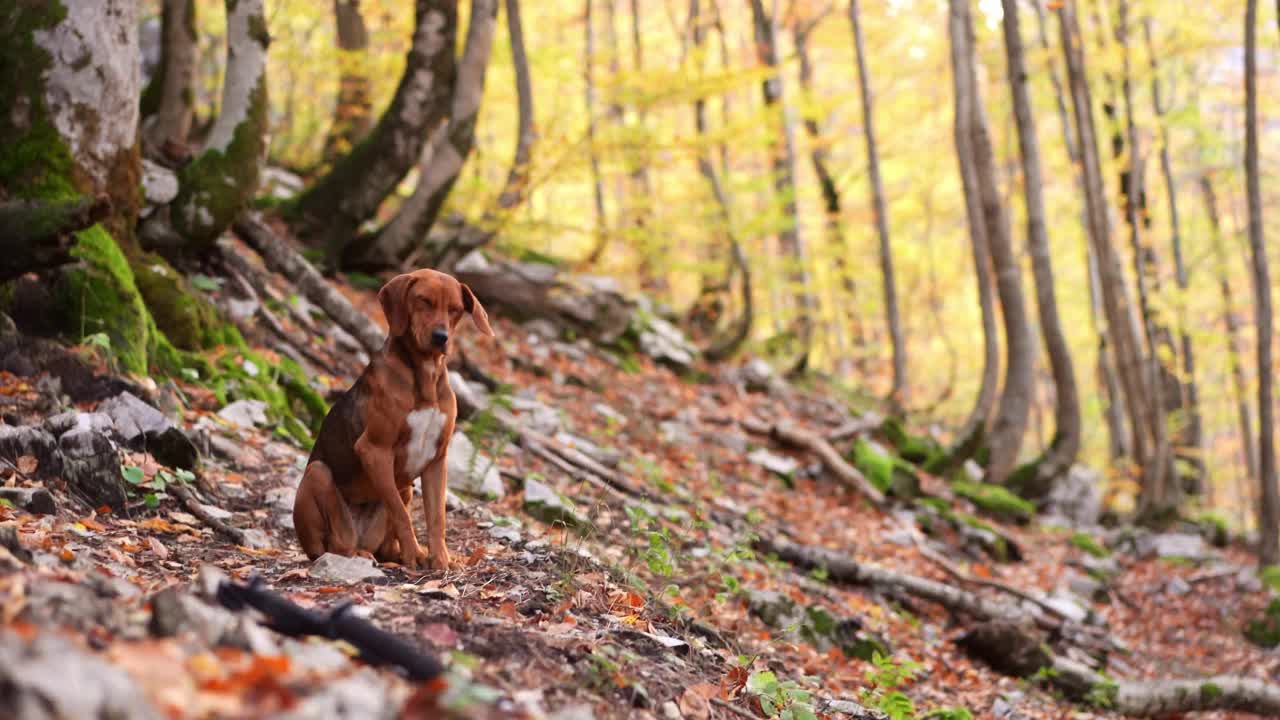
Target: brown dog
(391,427)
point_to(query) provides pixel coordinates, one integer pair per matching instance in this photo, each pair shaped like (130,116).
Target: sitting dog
(391,427)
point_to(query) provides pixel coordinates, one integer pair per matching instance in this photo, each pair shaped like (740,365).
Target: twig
(787,432)
(194,507)
(733,708)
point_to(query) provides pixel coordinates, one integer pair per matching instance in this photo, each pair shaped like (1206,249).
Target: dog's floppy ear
(392,296)
(473,306)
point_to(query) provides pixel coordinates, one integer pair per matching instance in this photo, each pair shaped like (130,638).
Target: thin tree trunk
(1114,411)
(442,157)
(330,214)
(170,99)
(220,183)
(1231,322)
(1124,342)
(740,329)
(790,239)
(1160,495)
(1010,422)
(899,394)
(973,434)
(352,114)
(518,177)
(1190,438)
(588,65)
(1269,507)
(1062,450)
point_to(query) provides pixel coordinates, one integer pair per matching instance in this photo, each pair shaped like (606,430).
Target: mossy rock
(993,542)
(282,384)
(1213,526)
(918,450)
(995,500)
(1265,631)
(1089,544)
(180,312)
(99,295)
(1270,577)
(889,474)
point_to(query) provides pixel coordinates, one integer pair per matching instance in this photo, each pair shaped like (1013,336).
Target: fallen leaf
(695,702)
(92,524)
(508,610)
(294,574)
(476,556)
(67,555)
(158,548)
(27,464)
(440,635)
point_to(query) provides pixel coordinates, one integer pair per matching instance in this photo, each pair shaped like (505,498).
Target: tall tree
(517,183)
(352,115)
(218,185)
(899,393)
(597,184)
(1010,421)
(1126,345)
(442,156)
(1189,425)
(1269,508)
(330,213)
(790,239)
(973,434)
(1066,441)
(1230,320)
(168,103)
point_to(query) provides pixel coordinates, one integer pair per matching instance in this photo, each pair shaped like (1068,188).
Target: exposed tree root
(786,432)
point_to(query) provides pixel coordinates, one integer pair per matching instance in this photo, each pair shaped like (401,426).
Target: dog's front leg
(434,483)
(377,456)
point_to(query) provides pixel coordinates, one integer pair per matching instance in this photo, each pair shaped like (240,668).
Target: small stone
(90,463)
(851,709)
(608,413)
(472,397)
(772,607)
(1086,587)
(258,539)
(536,415)
(246,634)
(674,432)
(471,471)
(671,711)
(159,183)
(347,570)
(505,533)
(774,463)
(1190,546)
(974,471)
(759,376)
(36,500)
(549,506)
(1068,607)
(573,712)
(132,417)
(315,655)
(245,413)
(1177,586)
(175,611)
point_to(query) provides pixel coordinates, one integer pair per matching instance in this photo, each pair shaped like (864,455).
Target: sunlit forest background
(647,75)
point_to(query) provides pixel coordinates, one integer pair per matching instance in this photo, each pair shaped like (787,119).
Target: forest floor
(654,608)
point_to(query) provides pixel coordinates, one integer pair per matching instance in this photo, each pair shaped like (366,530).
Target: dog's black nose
(439,337)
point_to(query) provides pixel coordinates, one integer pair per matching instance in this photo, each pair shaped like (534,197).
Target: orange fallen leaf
(158,548)
(27,464)
(67,555)
(92,524)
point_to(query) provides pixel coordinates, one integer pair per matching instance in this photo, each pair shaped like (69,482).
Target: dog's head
(424,308)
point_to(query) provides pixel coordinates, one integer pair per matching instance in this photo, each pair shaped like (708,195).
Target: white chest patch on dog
(424,438)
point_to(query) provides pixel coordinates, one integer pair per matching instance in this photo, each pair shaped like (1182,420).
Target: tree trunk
(1235,355)
(352,115)
(1010,422)
(1062,451)
(1269,508)
(219,184)
(790,239)
(330,214)
(597,185)
(973,434)
(1160,494)
(518,177)
(899,394)
(442,156)
(1190,436)
(738,330)
(168,102)
(1124,343)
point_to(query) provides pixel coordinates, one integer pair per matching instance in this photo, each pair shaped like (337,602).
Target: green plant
(156,486)
(948,713)
(1270,576)
(1089,544)
(885,676)
(995,500)
(783,699)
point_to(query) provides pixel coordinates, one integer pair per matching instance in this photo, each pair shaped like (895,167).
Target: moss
(998,547)
(1270,576)
(100,296)
(1213,526)
(1210,692)
(219,184)
(1265,631)
(1089,544)
(877,466)
(915,449)
(995,500)
(188,320)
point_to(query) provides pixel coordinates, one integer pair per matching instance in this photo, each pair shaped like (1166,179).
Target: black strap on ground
(377,646)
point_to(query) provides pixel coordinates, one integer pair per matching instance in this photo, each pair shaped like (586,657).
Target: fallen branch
(283,259)
(787,432)
(194,507)
(855,426)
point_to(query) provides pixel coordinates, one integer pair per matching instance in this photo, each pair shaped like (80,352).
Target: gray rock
(671,711)
(664,342)
(246,634)
(317,655)
(362,694)
(1068,606)
(605,456)
(974,471)
(159,183)
(63,422)
(608,413)
(1172,545)
(573,712)
(20,440)
(735,441)
(245,413)
(773,608)
(1247,581)
(779,464)
(1086,587)
(91,465)
(1177,586)
(346,570)
(471,471)
(1076,497)
(1108,566)
(542,328)
(35,500)
(759,376)
(279,183)
(50,678)
(549,506)
(851,709)
(132,417)
(175,611)
(472,397)
(536,415)
(674,432)
(506,533)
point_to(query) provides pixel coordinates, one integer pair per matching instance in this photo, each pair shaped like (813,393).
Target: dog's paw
(440,560)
